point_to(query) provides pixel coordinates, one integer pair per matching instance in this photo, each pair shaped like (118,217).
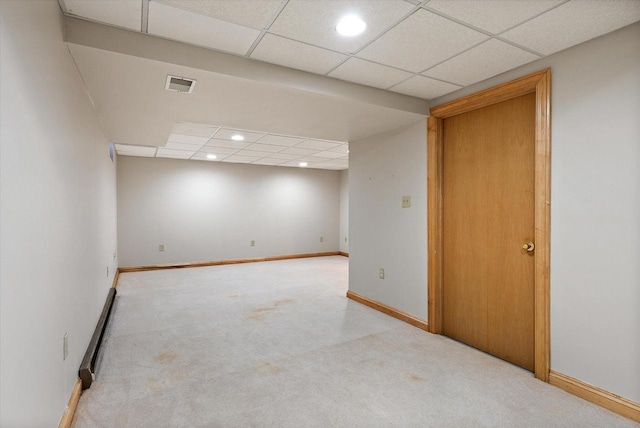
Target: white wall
(595,209)
(382,169)
(204,211)
(344,211)
(57,216)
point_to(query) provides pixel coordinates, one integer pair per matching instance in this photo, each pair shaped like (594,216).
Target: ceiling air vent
(179,84)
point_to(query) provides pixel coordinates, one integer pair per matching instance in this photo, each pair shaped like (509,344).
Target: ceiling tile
(190,27)
(252,153)
(194,129)
(314,21)
(572,23)
(298,151)
(123,13)
(228,144)
(368,73)
(241,159)
(249,136)
(486,60)
(187,139)
(342,148)
(203,156)
(424,87)
(284,156)
(297,55)
(295,163)
(494,16)
(280,140)
(311,160)
(318,144)
(250,13)
(217,150)
(265,148)
(268,161)
(329,155)
(421,41)
(182,146)
(170,153)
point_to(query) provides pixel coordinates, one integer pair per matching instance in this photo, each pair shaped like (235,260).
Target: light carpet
(277,344)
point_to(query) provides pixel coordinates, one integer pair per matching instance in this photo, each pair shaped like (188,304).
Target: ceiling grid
(214,143)
(421,48)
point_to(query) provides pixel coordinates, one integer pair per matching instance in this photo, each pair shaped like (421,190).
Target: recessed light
(350,26)
(211,156)
(237,137)
(303,164)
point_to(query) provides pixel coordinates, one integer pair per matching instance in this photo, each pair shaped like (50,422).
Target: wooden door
(488,214)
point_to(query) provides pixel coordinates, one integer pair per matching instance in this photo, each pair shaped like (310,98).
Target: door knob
(529,246)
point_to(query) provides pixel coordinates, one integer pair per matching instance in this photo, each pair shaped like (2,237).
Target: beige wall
(382,169)
(204,211)
(57,216)
(344,211)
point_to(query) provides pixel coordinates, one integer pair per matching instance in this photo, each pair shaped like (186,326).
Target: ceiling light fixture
(237,137)
(303,164)
(211,156)
(350,26)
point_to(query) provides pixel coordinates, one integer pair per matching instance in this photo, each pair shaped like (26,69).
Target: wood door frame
(540,84)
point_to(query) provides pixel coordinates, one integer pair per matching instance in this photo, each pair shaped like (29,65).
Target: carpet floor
(277,344)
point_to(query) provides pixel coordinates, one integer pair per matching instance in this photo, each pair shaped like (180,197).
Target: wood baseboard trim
(115,278)
(67,417)
(615,403)
(402,316)
(226,262)
(342,253)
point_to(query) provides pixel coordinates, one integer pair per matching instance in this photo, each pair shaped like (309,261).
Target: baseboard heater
(87,368)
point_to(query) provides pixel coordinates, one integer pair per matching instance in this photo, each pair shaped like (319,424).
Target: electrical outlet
(114,256)
(406,201)
(107,271)
(322,239)
(345,239)
(253,243)
(65,346)
(161,247)
(381,273)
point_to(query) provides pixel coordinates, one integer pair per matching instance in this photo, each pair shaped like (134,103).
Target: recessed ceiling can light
(303,164)
(350,26)
(211,156)
(237,137)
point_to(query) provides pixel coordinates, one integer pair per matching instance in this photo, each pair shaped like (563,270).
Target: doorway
(488,220)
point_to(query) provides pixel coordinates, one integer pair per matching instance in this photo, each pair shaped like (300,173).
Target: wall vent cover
(179,84)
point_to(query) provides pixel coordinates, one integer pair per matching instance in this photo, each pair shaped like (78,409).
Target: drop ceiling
(418,48)
(216,144)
